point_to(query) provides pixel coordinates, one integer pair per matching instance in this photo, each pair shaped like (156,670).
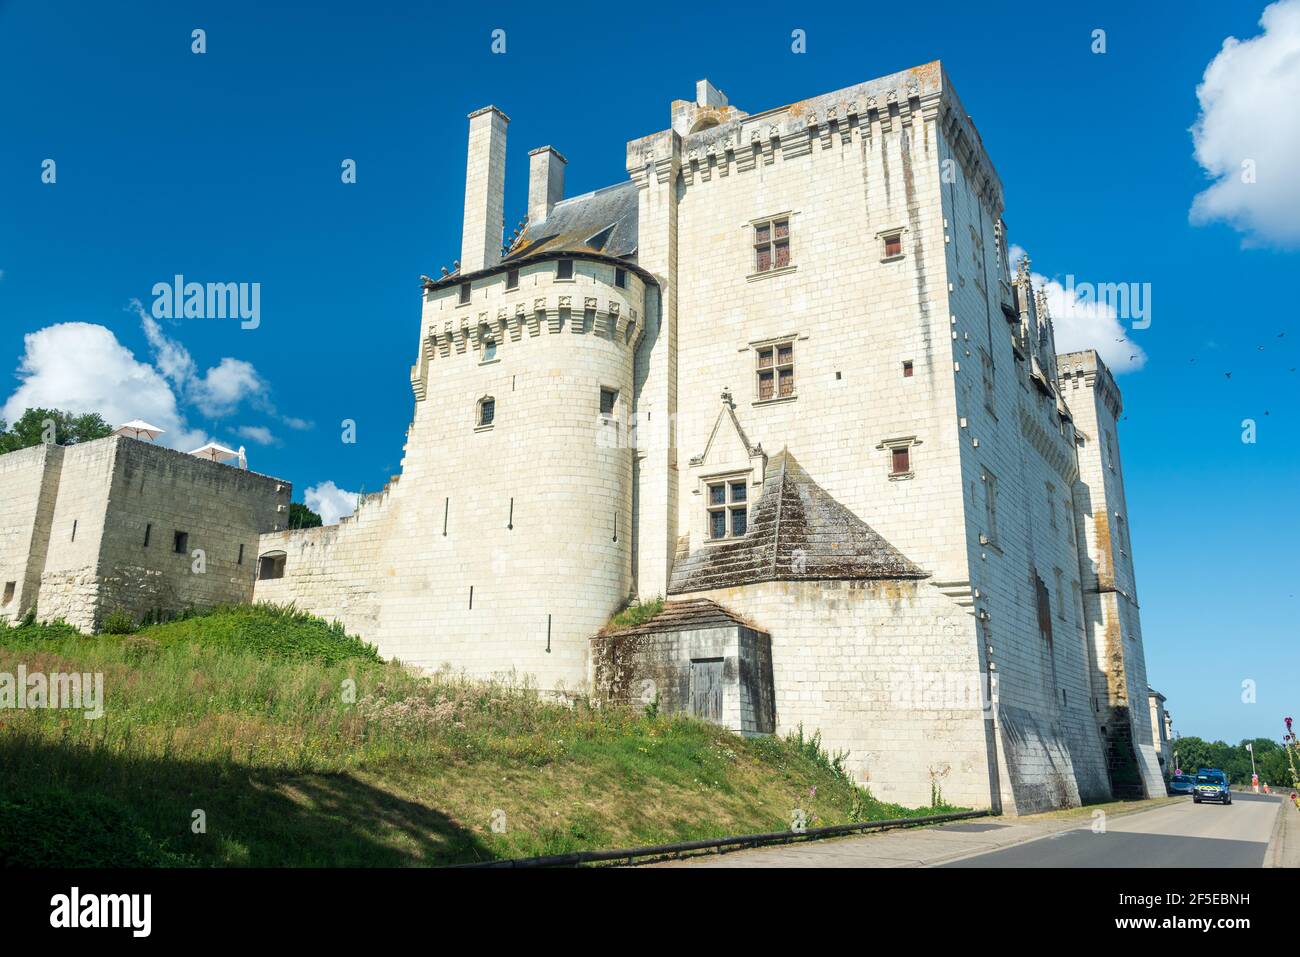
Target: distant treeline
(1234,759)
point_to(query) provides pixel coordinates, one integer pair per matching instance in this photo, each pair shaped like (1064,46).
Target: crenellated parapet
(506,310)
(736,142)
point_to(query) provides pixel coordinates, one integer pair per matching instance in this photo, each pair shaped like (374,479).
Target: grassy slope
(249,716)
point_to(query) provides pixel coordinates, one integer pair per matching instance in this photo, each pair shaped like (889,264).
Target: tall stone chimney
(485,190)
(545,181)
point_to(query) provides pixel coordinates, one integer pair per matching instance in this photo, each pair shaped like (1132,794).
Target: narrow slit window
(148,531)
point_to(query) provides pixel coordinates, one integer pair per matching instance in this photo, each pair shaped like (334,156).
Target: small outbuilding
(693,657)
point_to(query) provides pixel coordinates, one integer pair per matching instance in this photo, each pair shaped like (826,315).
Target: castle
(785,377)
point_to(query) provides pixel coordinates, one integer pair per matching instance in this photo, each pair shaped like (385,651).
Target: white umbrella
(215,452)
(137,429)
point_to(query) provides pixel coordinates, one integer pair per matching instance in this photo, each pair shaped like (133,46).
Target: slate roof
(687,614)
(797,532)
(603,222)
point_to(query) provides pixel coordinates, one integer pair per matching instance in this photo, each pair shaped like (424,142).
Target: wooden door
(706,689)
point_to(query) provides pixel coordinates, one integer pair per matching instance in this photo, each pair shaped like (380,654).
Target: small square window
(489,349)
(564,269)
(893,245)
(907,369)
(180,542)
(620,278)
(464,294)
(512,279)
(728,511)
(608,399)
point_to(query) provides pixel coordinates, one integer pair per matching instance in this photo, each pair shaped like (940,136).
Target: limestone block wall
(1018,450)
(498,549)
(1106,560)
(85,510)
(639,669)
(70,583)
(29,481)
(886,671)
(157,492)
(846,170)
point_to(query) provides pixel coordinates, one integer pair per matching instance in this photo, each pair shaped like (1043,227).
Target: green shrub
(118,622)
(636,613)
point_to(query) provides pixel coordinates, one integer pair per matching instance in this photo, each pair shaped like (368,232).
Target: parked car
(1181,784)
(1212,785)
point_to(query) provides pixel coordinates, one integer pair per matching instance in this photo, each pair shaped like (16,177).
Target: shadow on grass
(63,806)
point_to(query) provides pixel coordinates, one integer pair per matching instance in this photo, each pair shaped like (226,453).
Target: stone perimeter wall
(73,520)
(498,550)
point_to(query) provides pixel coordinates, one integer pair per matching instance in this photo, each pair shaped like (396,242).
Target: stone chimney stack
(545,181)
(485,191)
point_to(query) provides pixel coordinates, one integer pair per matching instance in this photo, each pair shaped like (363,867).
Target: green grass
(634,614)
(296,746)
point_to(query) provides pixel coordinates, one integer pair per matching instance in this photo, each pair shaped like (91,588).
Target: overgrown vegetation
(261,736)
(635,613)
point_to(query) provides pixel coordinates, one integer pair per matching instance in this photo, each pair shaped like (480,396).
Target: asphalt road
(1176,835)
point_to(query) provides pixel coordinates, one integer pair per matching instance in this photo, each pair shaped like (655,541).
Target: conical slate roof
(797,532)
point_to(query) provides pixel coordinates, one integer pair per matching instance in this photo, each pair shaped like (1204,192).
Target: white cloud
(218,392)
(225,386)
(330,502)
(256,433)
(1082,322)
(1249,115)
(81,367)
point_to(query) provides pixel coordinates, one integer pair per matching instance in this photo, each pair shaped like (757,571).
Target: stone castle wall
(83,511)
(499,549)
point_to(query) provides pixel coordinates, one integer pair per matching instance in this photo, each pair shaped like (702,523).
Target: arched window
(486,412)
(271,565)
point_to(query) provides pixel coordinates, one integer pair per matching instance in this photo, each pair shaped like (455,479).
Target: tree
(37,426)
(300,516)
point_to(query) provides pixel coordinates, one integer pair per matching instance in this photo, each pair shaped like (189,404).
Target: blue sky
(225,166)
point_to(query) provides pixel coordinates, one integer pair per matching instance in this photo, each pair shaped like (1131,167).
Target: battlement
(721,140)
(480,317)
